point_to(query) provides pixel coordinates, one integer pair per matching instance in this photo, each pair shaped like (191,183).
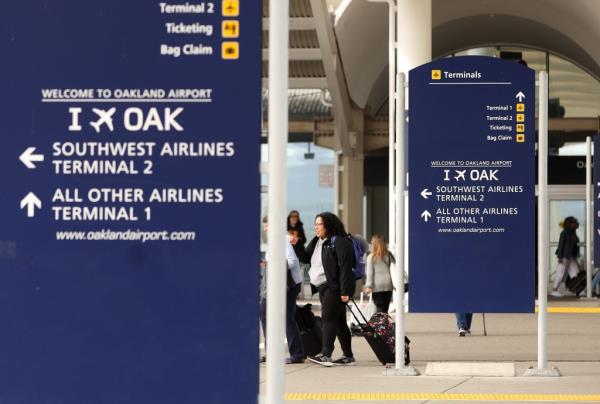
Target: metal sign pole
(401,369)
(393,240)
(278,134)
(543,233)
(588,215)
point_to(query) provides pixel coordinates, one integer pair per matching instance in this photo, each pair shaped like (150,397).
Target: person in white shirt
(332,260)
(294,284)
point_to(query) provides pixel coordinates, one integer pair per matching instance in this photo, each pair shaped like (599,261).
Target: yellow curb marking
(440,396)
(571,309)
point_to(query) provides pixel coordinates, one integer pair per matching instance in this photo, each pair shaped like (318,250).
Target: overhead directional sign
(471,178)
(130,201)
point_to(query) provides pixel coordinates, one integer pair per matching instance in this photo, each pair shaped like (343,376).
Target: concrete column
(351,179)
(414,34)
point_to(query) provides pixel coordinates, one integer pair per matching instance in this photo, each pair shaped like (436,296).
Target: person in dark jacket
(295,229)
(567,253)
(332,258)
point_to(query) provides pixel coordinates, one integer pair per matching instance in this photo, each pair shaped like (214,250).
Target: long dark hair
(333,225)
(289,223)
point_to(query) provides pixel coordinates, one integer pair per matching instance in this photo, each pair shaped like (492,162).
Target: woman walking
(567,253)
(331,260)
(379,278)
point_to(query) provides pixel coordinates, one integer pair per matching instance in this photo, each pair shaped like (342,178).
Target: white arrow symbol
(425,193)
(425,215)
(31,201)
(520,96)
(28,157)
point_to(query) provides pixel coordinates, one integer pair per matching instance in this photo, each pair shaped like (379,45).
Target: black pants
(333,315)
(292,332)
(382,301)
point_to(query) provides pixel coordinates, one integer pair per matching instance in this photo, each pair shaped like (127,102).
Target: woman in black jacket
(567,253)
(331,261)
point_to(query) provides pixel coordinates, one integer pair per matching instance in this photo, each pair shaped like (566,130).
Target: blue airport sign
(472,182)
(129,208)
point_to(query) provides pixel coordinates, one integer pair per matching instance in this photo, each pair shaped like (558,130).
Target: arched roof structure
(570,29)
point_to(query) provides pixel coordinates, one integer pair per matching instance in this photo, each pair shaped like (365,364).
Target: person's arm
(345,257)
(310,249)
(370,273)
(292,260)
(561,246)
(302,235)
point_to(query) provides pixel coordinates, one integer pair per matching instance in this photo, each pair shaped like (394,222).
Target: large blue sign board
(129,208)
(471,179)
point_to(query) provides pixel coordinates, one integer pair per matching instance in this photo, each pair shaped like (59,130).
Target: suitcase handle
(366,324)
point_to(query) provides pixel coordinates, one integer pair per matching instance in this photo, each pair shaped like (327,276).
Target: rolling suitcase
(310,329)
(380,334)
(578,284)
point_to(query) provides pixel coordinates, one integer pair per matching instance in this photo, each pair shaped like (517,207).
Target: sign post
(472,203)
(127,150)
(588,215)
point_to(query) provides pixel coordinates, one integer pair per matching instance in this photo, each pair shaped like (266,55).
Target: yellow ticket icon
(520,107)
(520,137)
(230,50)
(520,127)
(231,8)
(520,117)
(436,74)
(230,29)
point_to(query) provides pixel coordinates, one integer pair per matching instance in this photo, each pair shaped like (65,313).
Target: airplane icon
(436,74)
(105,117)
(461,175)
(231,8)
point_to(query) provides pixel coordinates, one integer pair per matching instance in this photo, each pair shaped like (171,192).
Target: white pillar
(278,134)
(543,233)
(589,224)
(400,368)
(413,33)
(391,124)
(543,227)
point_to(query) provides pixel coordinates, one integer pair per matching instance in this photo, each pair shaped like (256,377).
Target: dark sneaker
(289,361)
(321,359)
(262,359)
(345,361)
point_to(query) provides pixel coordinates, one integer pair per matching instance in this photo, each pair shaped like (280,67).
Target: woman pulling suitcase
(332,258)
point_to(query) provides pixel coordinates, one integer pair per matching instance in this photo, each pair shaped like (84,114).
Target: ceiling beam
(341,107)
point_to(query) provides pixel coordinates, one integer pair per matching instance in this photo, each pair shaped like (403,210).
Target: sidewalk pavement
(573,348)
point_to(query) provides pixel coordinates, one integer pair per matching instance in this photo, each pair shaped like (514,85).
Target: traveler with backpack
(332,260)
(379,278)
(567,253)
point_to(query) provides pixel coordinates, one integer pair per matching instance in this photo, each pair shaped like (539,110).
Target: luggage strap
(365,326)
